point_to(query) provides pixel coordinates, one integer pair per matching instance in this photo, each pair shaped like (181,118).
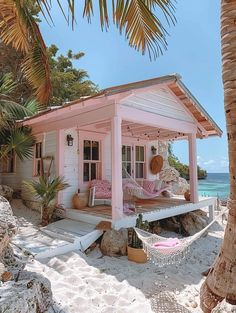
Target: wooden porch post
(116,159)
(193,168)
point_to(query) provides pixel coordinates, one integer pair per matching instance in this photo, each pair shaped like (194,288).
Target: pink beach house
(94,137)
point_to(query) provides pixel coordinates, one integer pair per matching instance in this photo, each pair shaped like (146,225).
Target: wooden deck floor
(142,206)
(152,210)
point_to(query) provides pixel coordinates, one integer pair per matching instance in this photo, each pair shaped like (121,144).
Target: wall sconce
(154,150)
(69,139)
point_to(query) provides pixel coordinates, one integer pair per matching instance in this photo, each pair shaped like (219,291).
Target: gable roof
(173,82)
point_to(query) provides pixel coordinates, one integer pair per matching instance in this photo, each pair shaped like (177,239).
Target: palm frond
(136,18)
(38,75)
(14,30)
(31,107)
(46,188)
(142,28)
(7,85)
(19,29)
(21,141)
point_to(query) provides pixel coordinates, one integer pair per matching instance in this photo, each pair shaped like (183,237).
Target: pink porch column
(193,168)
(116,159)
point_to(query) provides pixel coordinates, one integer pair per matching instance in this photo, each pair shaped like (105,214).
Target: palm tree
(136,18)
(221,280)
(46,189)
(12,135)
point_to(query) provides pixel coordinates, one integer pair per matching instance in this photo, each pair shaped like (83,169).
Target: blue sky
(193,52)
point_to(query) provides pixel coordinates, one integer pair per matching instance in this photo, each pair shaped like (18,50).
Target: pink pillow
(169,243)
(149,185)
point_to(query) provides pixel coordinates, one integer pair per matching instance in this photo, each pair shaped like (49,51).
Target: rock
(169,174)
(156,227)
(8,224)
(194,304)
(224,307)
(171,224)
(114,242)
(180,186)
(193,222)
(2,269)
(6,276)
(32,294)
(6,192)
(58,214)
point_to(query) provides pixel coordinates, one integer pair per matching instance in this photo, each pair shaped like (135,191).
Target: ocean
(216,184)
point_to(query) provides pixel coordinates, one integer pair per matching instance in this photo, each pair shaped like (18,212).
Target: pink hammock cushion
(169,243)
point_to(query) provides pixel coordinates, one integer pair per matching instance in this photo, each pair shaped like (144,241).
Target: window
(38,159)
(133,160)
(8,163)
(139,162)
(91,160)
(126,160)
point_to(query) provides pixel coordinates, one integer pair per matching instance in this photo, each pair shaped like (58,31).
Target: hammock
(132,187)
(163,251)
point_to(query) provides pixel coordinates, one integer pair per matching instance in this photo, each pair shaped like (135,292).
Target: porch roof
(172,82)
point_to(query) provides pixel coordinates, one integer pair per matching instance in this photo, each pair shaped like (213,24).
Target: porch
(152,210)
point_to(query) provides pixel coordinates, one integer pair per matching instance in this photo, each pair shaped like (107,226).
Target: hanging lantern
(70,140)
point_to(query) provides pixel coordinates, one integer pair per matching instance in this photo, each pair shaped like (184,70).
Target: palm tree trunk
(45,216)
(221,280)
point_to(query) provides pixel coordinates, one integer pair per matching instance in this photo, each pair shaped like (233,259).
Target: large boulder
(31,293)
(169,174)
(224,307)
(114,242)
(8,224)
(180,186)
(6,192)
(193,222)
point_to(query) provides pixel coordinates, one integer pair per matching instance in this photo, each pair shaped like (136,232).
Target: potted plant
(135,246)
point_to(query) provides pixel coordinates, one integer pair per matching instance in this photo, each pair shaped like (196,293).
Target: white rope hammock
(163,251)
(133,188)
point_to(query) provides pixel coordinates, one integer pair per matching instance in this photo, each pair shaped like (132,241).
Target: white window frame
(140,162)
(90,162)
(37,160)
(89,135)
(133,158)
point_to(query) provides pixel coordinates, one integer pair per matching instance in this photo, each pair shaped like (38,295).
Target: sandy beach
(99,284)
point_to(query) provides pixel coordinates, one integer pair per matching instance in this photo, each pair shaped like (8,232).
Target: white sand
(99,284)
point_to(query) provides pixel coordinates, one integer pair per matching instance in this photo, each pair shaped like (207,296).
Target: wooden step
(58,238)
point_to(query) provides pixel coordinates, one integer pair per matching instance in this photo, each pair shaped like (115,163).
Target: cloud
(210,162)
(224,162)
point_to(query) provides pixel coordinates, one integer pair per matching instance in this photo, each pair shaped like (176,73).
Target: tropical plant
(136,18)
(68,82)
(46,189)
(144,225)
(183,169)
(12,135)
(10,62)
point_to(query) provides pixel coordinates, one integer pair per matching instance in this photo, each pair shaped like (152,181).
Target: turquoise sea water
(216,184)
